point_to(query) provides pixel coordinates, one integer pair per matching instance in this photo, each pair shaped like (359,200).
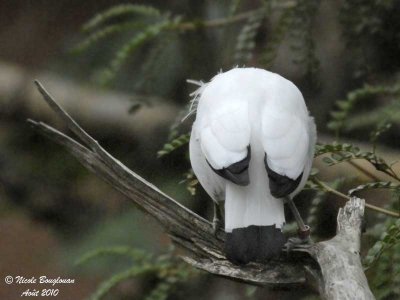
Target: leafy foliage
(191,182)
(302,35)
(104,33)
(245,41)
(347,152)
(134,254)
(312,219)
(387,276)
(146,23)
(146,27)
(167,270)
(367,27)
(132,45)
(388,239)
(381,128)
(388,112)
(386,280)
(110,283)
(174,144)
(277,35)
(295,20)
(158,57)
(375,185)
(383,257)
(382,262)
(118,11)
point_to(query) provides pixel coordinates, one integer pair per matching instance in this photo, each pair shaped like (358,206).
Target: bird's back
(251,124)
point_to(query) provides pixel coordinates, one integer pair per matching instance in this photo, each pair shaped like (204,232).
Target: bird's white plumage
(286,144)
(212,183)
(224,130)
(249,106)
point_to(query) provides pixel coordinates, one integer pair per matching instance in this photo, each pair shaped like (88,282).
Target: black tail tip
(254,243)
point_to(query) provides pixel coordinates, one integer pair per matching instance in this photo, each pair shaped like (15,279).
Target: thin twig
(189,230)
(218,22)
(370,206)
(364,171)
(231,19)
(315,263)
(394,175)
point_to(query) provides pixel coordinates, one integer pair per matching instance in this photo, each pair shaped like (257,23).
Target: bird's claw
(303,240)
(296,242)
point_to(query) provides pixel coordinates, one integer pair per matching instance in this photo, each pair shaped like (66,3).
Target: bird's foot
(296,242)
(302,241)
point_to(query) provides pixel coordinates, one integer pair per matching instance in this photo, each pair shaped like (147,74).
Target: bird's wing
(224,135)
(213,184)
(219,146)
(286,142)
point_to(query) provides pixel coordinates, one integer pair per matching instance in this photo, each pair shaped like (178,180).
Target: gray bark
(332,267)
(342,275)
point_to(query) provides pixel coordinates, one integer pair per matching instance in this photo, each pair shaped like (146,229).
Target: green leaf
(131,46)
(174,144)
(107,285)
(337,156)
(375,185)
(119,250)
(388,239)
(245,40)
(160,292)
(278,34)
(105,32)
(120,10)
(341,120)
(327,160)
(346,152)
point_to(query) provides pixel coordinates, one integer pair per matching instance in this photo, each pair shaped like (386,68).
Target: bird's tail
(253,222)
(254,243)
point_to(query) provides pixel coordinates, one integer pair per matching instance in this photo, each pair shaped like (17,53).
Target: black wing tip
(238,172)
(241,179)
(281,185)
(254,244)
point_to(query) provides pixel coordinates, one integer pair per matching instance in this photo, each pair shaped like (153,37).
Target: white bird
(252,144)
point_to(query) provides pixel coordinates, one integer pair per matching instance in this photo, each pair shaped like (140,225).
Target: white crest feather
(195,96)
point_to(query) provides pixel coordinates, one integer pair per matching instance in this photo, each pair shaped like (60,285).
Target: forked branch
(307,265)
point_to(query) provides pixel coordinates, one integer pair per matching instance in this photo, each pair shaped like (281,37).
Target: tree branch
(220,22)
(343,196)
(339,258)
(321,264)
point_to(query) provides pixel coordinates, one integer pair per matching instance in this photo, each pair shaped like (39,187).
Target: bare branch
(333,266)
(339,258)
(186,228)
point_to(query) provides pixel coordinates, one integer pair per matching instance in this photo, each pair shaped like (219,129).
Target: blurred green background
(130,94)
